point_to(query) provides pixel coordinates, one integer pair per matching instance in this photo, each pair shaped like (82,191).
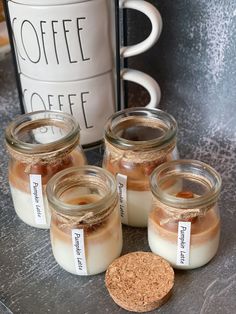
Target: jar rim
(74,210)
(206,199)
(42,117)
(144,113)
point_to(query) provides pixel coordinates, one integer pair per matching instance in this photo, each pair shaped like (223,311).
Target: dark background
(194,63)
(195,57)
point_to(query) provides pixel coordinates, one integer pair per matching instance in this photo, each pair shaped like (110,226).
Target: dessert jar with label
(86,233)
(40,144)
(184,225)
(137,140)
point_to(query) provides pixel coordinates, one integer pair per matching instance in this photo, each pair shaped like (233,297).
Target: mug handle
(147,82)
(155,18)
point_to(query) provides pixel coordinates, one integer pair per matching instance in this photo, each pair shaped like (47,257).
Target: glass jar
(184,225)
(137,140)
(86,234)
(40,144)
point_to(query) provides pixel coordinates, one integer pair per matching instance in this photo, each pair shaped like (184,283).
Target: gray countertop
(32,282)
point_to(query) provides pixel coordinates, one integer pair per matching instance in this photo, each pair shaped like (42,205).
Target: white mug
(91,100)
(74,41)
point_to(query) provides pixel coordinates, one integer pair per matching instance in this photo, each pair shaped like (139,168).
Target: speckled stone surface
(203,102)
(195,56)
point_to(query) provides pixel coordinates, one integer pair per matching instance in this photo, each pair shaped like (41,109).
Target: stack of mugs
(66,56)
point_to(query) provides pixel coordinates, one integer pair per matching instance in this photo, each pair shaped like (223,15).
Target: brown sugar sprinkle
(140,281)
(83,203)
(185,194)
(84,200)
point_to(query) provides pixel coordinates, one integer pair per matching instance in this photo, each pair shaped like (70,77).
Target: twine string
(45,158)
(86,219)
(178,214)
(82,217)
(138,156)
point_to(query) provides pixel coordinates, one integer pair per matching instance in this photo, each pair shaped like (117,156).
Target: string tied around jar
(84,214)
(52,157)
(180,214)
(86,220)
(139,156)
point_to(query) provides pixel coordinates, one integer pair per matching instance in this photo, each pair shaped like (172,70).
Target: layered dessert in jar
(86,233)
(184,227)
(35,157)
(137,140)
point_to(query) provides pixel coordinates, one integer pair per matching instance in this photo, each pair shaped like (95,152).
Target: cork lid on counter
(140,281)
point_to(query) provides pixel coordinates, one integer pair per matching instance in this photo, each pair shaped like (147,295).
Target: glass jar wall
(86,233)
(40,144)
(137,140)
(184,225)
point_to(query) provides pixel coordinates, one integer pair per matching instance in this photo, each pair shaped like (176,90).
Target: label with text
(121,181)
(37,198)
(183,246)
(62,42)
(79,251)
(86,100)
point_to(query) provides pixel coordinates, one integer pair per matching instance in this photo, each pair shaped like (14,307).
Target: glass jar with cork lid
(184,225)
(86,233)
(40,144)
(137,140)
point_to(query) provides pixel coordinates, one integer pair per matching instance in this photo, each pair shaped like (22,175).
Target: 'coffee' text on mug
(55,45)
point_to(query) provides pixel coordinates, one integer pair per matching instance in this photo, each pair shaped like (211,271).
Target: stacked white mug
(66,57)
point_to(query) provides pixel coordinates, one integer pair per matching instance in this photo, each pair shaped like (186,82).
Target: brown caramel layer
(203,228)
(19,178)
(3,41)
(137,173)
(94,233)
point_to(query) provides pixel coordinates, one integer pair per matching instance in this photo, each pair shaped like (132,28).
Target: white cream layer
(23,206)
(99,253)
(139,204)
(200,254)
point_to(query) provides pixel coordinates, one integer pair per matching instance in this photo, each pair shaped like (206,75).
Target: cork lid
(140,281)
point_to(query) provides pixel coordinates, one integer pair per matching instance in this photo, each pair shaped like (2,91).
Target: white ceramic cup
(66,40)
(91,100)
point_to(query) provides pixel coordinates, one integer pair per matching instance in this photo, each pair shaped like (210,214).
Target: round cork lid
(140,281)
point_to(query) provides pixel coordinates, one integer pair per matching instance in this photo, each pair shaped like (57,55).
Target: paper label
(121,181)
(37,198)
(79,251)
(183,246)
